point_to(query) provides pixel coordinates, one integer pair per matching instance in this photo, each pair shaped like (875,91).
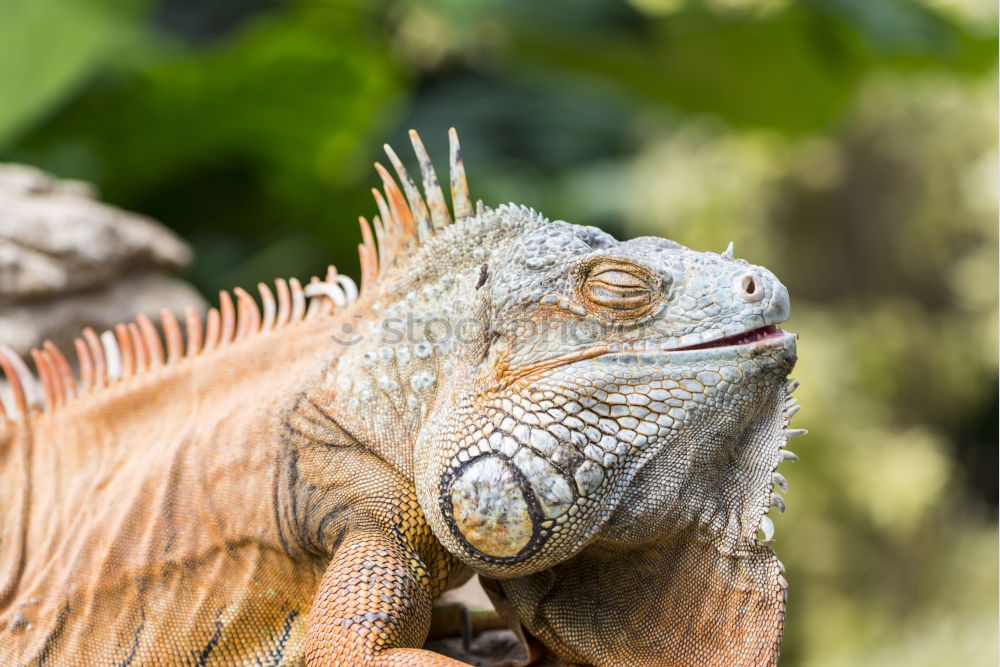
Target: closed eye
(623,288)
(620,280)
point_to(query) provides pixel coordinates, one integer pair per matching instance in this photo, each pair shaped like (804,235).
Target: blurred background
(848,145)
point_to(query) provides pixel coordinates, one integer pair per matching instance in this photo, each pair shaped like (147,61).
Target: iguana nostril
(749,288)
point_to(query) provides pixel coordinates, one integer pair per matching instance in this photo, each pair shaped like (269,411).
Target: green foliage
(272,121)
(48,49)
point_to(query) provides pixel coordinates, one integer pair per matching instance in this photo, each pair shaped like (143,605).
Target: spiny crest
(405,218)
(137,348)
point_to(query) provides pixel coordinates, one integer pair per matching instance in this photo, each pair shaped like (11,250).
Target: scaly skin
(528,400)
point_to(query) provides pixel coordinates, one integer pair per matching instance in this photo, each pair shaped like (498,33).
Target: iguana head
(619,391)
(579,392)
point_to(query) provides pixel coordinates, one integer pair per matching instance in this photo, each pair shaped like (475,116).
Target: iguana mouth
(645,350)
(742,338)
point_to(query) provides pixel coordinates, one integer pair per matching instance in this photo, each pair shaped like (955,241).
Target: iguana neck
(404,343)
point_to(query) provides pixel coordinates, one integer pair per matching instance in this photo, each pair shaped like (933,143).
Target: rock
(68,261)
(490,645)
(55,238)
(486,649)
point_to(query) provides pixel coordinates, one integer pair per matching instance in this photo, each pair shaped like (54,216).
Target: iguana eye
(624,288)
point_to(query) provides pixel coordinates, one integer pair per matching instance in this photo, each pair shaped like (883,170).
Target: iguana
(591,426)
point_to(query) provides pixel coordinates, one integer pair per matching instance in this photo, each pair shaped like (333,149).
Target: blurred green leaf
(48,49)
(788,72)
(293,96)
(909,35)
(261,130)
(794,71)
(893,26)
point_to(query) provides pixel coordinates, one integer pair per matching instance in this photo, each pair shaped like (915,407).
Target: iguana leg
(373,606)
(339,501)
